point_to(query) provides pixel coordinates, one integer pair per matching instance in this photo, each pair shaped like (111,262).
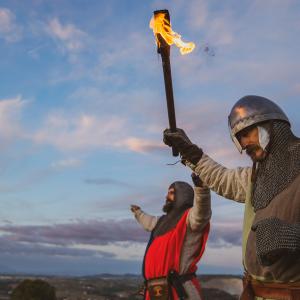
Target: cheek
(244,141)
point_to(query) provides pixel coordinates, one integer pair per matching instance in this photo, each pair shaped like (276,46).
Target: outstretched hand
(134,208)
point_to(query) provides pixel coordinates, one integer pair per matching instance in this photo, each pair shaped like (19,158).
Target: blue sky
(82,110)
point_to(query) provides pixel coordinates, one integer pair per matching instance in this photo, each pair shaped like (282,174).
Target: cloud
(142,145)
(12,247)
(78,132)
(106,181)
(105,232)
(69,38)
(36,176)
(92,232)
(10,113)
(10,31)
(111,240)
(215,27)
(226,234)
(26,181)
(88,132)
(220,32)
(66,163)
(197,14)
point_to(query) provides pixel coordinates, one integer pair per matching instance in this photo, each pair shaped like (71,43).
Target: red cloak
(164,253)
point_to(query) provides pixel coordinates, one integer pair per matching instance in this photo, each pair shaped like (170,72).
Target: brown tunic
(285,206)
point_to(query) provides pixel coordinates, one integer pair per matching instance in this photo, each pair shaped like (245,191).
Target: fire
(160,25)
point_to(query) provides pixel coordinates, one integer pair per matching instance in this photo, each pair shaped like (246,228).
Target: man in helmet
(270,191)
(177,242)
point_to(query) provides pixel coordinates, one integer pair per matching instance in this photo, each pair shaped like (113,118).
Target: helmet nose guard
(251,110)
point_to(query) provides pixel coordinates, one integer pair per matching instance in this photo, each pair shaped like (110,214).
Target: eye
(243,134)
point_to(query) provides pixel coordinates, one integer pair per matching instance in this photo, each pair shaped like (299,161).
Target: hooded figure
(183,200)
(176,243)
(270,190)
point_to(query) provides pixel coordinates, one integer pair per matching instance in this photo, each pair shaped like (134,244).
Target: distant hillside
(114,287)
(231,285)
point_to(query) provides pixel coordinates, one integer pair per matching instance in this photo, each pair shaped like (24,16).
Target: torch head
(163,17)
(164,34)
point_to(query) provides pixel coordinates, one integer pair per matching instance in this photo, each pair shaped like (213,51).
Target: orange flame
(160,25)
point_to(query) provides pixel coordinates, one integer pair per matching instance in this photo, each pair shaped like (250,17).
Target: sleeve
(148,222)
(200,214)
(229,183)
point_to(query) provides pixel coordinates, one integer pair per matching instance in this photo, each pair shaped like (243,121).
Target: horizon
(82,112)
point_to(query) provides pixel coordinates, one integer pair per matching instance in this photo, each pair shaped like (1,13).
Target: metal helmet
(251,110)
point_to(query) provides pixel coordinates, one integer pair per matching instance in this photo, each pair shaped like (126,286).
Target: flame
(160,25)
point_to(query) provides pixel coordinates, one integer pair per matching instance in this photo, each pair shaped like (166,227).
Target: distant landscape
(114,287)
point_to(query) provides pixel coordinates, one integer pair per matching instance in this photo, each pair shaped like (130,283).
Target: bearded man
(270,191)
(177,242)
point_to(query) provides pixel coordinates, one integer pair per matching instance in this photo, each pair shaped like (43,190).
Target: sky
(82,111)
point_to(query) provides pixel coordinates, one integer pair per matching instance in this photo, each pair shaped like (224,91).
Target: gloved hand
(275,238)
(196,180)
(182,143)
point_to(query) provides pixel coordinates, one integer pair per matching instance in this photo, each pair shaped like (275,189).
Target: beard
(168,206)
(252,150)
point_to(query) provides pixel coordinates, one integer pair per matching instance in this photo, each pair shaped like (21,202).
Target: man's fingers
(167,141)
(134,207)
(168,137)
(194,175)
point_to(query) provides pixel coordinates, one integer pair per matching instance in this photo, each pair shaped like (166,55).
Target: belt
(277,291)
(173,279)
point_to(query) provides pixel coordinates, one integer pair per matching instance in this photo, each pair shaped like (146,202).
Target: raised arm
(200,214)
(148,222)
(229,183)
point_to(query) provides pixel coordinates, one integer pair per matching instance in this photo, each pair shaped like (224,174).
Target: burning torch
(165,37)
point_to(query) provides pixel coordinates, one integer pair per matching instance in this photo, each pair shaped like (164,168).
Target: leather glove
(196,180)
(274,239)
(180,141)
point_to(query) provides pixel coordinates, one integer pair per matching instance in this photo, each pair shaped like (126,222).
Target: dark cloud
(8,245)
(90,232)
(61,249)
(100,232)
(225,234)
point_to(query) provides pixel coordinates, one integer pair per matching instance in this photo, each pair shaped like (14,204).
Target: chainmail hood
(184,198)
(280,168)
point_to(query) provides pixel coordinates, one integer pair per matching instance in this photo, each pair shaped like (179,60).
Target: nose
(244,141)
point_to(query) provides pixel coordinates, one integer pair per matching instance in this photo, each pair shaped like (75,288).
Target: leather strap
(276,291)
(174,280)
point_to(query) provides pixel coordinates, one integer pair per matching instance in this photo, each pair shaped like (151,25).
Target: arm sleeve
(200,214)
(229,183)
(148,222)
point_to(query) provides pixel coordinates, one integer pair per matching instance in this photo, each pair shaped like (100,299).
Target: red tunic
(164,253)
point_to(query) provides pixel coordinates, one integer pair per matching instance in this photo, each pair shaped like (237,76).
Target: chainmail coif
(280,168)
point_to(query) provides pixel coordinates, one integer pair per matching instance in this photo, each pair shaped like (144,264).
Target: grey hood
(184,199)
